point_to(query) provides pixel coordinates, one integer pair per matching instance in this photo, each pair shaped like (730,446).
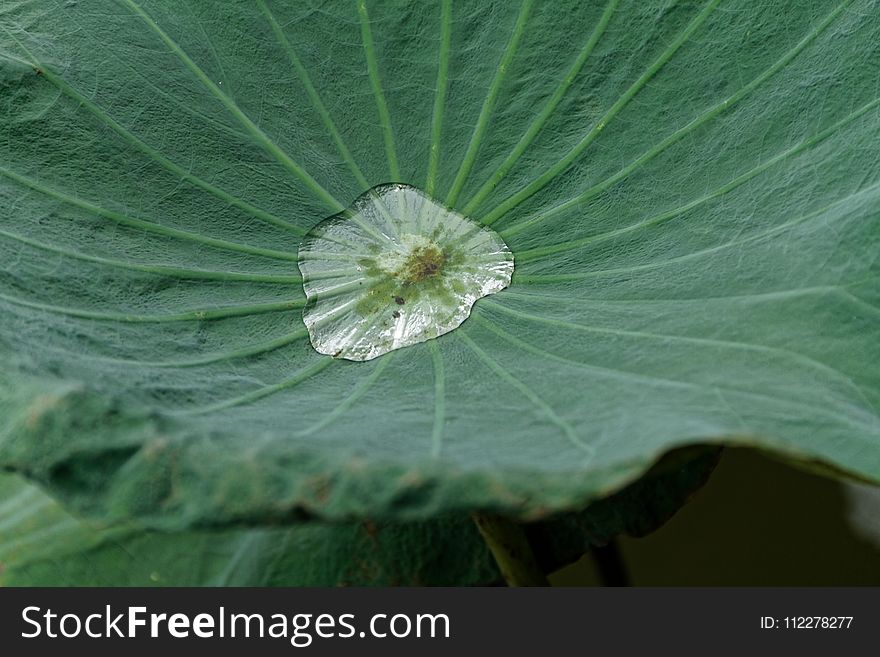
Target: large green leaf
(690,191)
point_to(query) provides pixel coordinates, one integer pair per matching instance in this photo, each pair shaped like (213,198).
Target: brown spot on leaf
(370,528)
(320,487)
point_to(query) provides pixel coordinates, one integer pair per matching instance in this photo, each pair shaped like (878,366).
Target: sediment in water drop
(395,269)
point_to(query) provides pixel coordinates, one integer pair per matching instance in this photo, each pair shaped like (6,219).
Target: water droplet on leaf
(395,269)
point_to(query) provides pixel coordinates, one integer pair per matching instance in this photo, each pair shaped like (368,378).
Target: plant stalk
(610,565)
(509,545)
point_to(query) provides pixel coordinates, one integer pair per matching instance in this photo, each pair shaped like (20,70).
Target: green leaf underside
(689,189)
(41,544)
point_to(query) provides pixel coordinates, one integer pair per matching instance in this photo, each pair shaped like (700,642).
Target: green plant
(689,191)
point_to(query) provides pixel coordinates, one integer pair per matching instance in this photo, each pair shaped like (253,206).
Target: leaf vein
(529,394)
(313,94)
(489,103)
(360,390)
(376,84)
(261,137)
(162,270)
(658,148)
(439,96)
(188,316)
(544,179)
(729,344)
(542,118)
(540,252)
(143,224)
(439,425)
(301,376)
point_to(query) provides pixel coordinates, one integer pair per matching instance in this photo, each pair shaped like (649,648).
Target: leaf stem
(610,565)
(509,545)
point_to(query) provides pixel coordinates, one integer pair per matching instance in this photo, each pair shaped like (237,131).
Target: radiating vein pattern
(376,84)
(314,97)
(488,105)
(733,184)
(545,178)
(214,88)
(440,97)
(658,148)
(224,297)
(545,113)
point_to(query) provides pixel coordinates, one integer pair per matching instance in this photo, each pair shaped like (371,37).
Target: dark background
(757,522)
